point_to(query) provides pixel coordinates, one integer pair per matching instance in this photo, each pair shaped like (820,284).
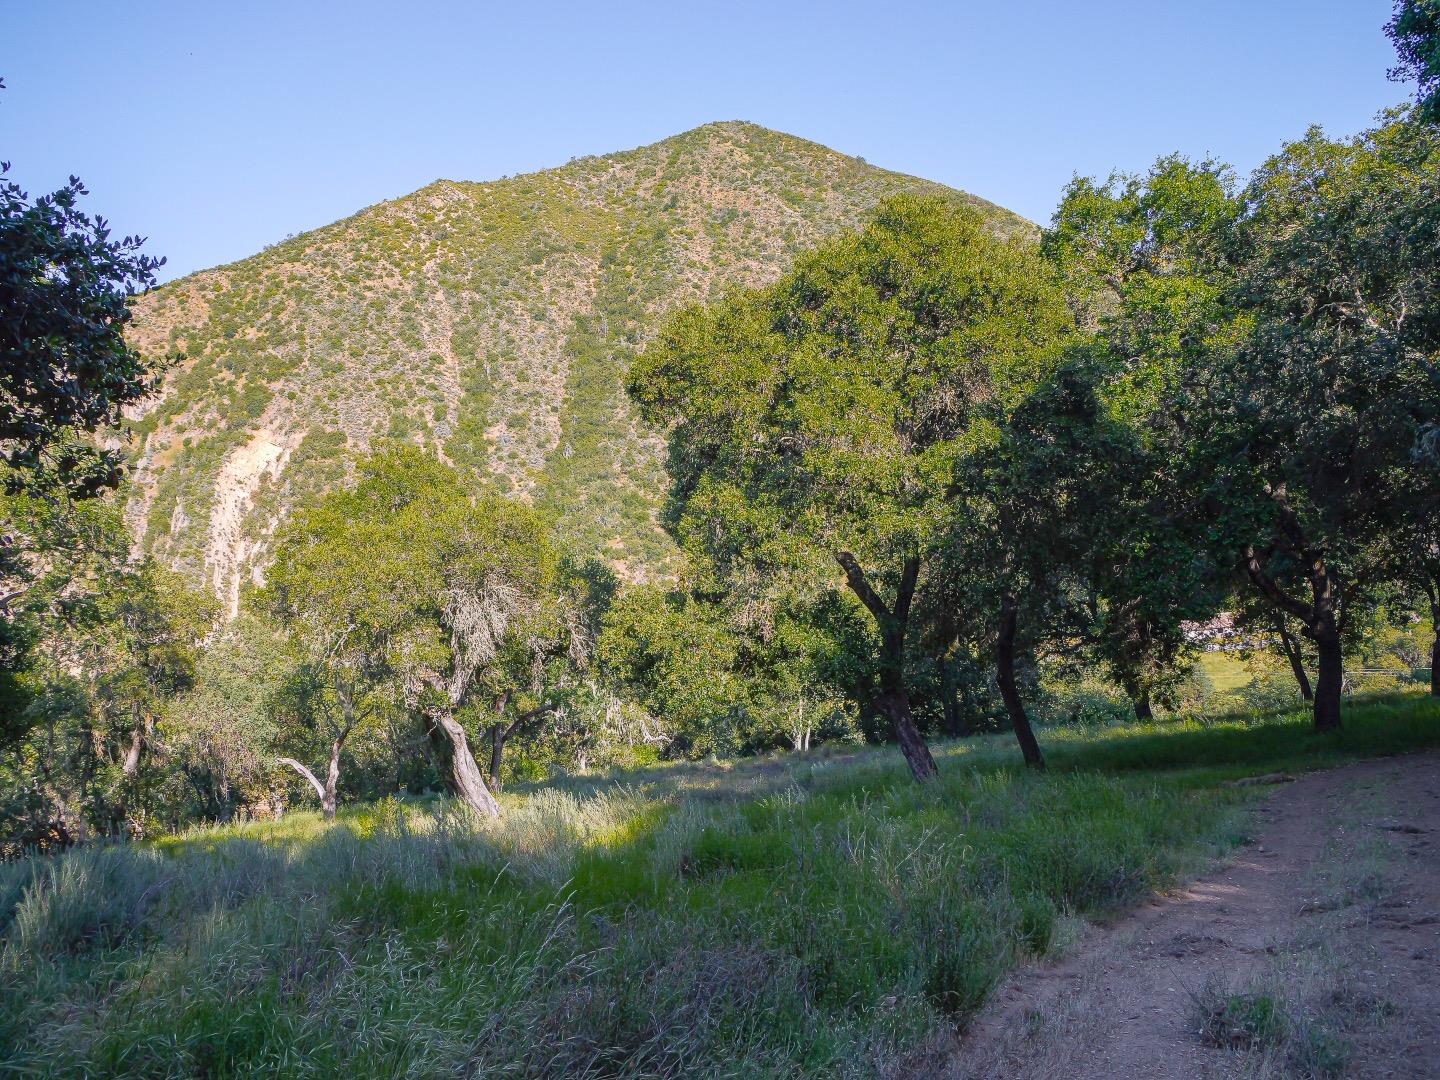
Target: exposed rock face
(493,322)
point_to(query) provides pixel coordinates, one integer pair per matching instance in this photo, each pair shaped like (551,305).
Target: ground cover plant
(817,914)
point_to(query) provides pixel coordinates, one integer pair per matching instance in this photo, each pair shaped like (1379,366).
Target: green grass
(1227,671)
(816,915)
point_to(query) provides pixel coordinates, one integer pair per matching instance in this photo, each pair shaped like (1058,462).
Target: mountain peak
(492,322)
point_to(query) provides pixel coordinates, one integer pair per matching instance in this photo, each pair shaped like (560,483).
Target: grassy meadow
(817,914)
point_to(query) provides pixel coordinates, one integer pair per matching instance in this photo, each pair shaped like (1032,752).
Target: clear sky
(215,128)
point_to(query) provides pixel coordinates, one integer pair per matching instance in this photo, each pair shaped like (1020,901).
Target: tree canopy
(65,366)
(817,423)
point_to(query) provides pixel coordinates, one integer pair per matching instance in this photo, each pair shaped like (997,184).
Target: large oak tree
(817,422)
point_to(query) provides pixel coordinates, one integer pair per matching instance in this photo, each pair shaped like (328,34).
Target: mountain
(493,321)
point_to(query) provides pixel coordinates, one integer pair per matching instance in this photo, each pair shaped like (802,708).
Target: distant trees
(112,645)
(1274,348)
(65,371)
(717,676)
(818,421)
(448,597)
(328,590)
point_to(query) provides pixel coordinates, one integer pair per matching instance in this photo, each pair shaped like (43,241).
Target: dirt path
(1315,951)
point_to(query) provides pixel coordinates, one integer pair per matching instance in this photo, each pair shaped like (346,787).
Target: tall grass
(816,916)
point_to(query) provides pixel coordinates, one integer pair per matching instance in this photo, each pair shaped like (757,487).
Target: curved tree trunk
(462,773)
(1297,661)
(1009,691)
(314,780)
(1143,712)
(892,700)
(329,790)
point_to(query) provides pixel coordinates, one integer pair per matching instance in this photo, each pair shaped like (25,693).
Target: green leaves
(1415,30)
(65,289)
(409,576)
(827,410)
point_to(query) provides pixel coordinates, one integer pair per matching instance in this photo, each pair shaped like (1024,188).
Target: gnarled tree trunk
(328,791)
(1009,691)
(462,773)
(892,700)
(1143,710)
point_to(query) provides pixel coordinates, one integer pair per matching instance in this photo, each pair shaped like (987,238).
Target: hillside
(493,321)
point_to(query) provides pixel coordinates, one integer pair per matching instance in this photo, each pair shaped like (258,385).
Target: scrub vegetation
(817,914)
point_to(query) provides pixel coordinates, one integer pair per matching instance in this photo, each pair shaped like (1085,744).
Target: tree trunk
(1435,648)
(894,703)
(1319,619)
(315,783)
(1297,661)
(131,765)
(497,752)
(1005,676)
(892,700)
(1329,682)
(1435,662)
(1330,673)
(130,769)
(463,775)
(800,730)
(328,800)
(1143,712)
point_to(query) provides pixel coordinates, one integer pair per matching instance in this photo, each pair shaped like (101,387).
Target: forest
(972,524)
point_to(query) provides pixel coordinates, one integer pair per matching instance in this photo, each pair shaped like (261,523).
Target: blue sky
(216,128)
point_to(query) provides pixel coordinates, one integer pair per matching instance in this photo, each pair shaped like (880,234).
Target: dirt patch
(1314,952)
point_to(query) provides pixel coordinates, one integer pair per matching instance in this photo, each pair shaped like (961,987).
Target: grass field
(816,915)
(1227,671)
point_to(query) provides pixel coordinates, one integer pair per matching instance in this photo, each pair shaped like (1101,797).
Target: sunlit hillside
(493,321)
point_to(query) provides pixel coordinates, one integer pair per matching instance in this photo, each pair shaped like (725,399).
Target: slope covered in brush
(492,321)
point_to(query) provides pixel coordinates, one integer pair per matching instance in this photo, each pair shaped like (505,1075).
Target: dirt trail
(1335,908)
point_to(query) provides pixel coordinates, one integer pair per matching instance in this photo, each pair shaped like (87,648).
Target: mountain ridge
(490,320)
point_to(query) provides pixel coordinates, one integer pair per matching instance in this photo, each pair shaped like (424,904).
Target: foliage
(65,366)
(818,421)
(494,320)
(1415,30)
(406,581)
(115,643)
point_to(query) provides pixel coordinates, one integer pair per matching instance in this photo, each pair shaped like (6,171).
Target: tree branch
(860,585)
(306,773)
(909,575)
(1272,592)
(526,717)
